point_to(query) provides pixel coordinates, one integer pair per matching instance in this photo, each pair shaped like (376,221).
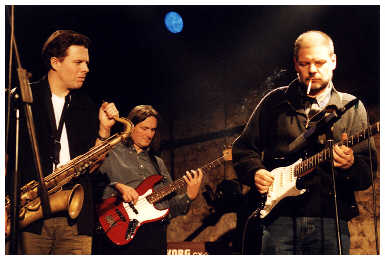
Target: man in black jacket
(304,224)
(67,125)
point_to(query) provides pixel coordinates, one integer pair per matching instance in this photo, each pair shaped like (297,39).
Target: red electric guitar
(121,220)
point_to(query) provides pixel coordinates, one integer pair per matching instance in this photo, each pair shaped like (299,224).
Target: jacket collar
(296,96)
(335,98)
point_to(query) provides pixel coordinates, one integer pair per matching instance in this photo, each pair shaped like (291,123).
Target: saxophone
(59,199)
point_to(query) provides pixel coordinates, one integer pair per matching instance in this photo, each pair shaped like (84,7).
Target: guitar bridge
(112,222)
(131,229)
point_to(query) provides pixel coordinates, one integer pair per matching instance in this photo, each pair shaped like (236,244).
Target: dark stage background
(135,60)
(206,80)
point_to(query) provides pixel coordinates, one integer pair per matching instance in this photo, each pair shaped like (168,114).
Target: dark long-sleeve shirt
(279,119)
(124,165)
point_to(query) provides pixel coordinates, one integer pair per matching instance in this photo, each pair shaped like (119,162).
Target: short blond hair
(322,37)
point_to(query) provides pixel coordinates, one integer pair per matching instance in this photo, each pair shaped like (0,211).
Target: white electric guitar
(285,178)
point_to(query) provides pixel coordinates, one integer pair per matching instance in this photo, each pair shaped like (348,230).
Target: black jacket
(81,123)
(277,120)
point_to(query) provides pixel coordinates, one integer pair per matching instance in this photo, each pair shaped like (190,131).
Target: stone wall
(220,93)
(362,228)
(204,224)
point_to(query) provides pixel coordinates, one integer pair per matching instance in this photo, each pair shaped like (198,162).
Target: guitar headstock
(227,156)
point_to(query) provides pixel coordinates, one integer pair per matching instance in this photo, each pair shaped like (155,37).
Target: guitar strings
(143,200)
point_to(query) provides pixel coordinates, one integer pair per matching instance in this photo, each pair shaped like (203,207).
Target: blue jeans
(304,236)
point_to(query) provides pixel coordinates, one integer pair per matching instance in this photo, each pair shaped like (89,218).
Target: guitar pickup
(120,215)
(131,229)
(133,207)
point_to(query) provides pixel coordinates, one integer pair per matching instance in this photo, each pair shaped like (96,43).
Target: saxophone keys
(22,213)
(33,205)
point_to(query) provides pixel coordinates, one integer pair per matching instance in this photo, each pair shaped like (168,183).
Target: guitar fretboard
(309,164)
(180,183)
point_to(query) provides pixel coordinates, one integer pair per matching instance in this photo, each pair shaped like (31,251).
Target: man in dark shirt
(305,224)
(67,125)
(127,166)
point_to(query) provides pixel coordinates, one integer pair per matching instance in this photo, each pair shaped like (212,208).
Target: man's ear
(54,62)
(334,61)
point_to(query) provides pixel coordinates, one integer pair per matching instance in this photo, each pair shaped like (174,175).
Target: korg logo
(184,252)
(186,248)
(179,251)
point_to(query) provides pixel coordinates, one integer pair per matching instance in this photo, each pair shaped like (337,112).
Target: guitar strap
(56,132)
(155,163)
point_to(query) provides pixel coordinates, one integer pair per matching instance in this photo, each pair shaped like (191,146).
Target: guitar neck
(180,183)
(309,164)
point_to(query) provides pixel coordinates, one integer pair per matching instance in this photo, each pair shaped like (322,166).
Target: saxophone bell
(75,201)
(70,200)
(59,199)
(64,200)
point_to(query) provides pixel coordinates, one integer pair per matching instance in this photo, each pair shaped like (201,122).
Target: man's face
(73,68)
(315,62)
(144,132)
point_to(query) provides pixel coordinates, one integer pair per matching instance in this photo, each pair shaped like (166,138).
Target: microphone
(322,126)
(10,91)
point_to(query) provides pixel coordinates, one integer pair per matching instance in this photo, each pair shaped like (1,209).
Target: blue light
(173,22)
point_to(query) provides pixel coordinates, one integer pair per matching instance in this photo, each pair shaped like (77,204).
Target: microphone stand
(15,189)
(338,227)
(27,100)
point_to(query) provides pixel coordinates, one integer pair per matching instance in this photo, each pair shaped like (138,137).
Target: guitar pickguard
(284,185)
(120,221)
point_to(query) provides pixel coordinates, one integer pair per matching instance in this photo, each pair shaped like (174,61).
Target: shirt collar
(131,147)
(323,98)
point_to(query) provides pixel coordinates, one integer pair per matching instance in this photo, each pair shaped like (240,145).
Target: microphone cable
(374,196)
(252,215)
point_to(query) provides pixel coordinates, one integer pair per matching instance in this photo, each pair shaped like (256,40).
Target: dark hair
(57,44)
(139,114)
